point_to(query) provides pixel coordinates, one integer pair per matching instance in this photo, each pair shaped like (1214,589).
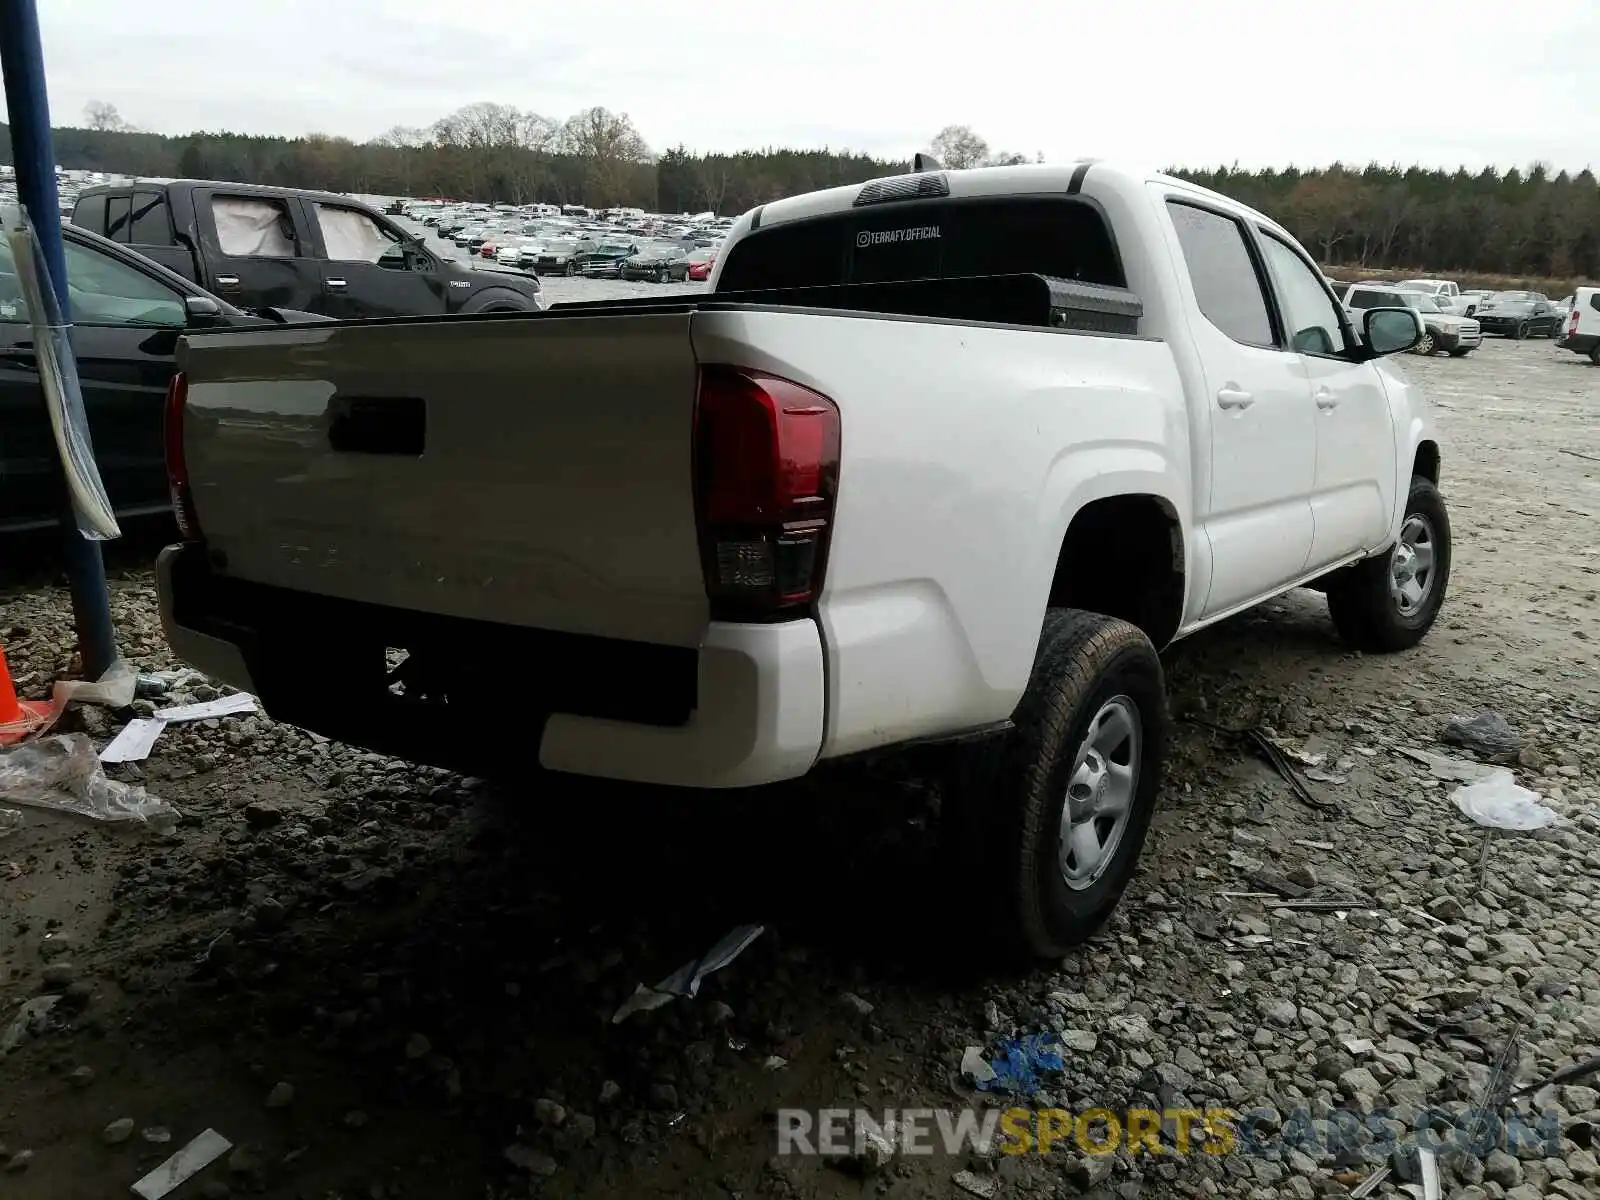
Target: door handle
(227,281)
(1326,400)
(1232,397)
(334,284)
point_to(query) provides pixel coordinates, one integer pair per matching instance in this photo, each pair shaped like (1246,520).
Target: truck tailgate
(533,472)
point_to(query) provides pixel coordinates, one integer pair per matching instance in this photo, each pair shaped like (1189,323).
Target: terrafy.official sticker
(890,237)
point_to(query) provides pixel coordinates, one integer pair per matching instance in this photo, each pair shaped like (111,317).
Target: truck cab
(266,247)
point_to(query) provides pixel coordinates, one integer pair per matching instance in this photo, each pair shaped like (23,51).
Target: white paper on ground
(138,736)
(239,702)
(185,1164)
(135,741)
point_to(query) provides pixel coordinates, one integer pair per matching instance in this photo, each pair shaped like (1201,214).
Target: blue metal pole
(22,58)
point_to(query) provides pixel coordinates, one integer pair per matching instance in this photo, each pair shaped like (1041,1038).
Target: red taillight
(766,472)
(1572,323)
(177,466)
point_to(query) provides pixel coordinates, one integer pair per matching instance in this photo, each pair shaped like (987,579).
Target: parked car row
(1456,321)
(549,241)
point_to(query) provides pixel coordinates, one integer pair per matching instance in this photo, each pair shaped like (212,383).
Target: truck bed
(517,498)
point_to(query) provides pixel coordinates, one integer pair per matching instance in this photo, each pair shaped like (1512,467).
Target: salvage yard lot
(430,963)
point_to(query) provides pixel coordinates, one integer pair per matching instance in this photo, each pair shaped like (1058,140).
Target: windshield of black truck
(929,239)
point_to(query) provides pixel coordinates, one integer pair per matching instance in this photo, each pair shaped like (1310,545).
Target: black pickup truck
(261,247)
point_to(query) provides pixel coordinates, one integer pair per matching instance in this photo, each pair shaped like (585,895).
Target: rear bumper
(1580,343)
(748,708)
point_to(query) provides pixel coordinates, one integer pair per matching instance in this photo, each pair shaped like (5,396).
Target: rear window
(930,239)
(1361,299)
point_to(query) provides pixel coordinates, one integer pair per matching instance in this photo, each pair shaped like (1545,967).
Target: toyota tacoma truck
(942,457)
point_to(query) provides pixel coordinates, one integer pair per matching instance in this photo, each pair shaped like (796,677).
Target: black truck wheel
(1054,812)
(1390,602)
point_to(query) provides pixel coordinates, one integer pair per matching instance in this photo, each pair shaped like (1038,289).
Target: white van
(1582,334)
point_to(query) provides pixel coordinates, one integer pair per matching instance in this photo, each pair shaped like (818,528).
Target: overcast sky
(1160,81)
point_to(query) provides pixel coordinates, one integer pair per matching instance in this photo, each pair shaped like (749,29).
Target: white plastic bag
(1499,802)
(63,773)
(58,377)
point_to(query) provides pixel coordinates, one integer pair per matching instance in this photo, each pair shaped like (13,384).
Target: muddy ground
(382,981)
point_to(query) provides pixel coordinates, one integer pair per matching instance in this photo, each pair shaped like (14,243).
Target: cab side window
(1308,311)
(1226,286)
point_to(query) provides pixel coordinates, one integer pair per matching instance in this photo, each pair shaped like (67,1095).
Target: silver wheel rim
(1412,565)
(1100,793)
(1425,344)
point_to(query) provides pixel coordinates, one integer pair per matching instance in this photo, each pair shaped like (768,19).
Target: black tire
(1594,354)
(570,269)
(1364,611)
(1426,344)
(663,276)
(496,300)
(1521,331)
(1461,351)
(1003,813)
(1555,330)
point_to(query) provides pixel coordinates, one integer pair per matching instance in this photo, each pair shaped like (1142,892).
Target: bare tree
(404,137)
(104,117)
(1004,158)
(957,147)
(612,147)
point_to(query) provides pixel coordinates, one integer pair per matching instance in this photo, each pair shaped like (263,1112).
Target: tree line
(1513,223)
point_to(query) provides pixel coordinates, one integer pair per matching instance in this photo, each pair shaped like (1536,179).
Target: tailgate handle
(378,424)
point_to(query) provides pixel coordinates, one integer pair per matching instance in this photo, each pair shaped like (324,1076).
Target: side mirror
(1391,330)
(202,311)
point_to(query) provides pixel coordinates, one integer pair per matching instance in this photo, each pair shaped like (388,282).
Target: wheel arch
(1123,555)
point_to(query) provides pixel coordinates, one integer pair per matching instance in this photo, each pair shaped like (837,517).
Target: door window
(253,227)
(150,223)
(103,291)
(1308,311)
(352,236)
(107,292)
(1226,286)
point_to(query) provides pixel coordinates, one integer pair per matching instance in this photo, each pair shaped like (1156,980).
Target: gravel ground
(382,981)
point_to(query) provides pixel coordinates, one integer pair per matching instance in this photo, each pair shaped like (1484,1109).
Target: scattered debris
(184,1165)
(685,981)
(976,1067)
(61,772)
(1488,734)
(1499,802)
(138,736)
(10,821)
(981,1186)
(1017,1068)
(30,1020)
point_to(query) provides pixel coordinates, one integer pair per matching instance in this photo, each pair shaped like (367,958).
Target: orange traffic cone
(18,718)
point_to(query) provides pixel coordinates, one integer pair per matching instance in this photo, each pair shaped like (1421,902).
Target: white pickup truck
(940,457)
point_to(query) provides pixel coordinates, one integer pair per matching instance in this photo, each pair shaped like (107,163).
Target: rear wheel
(1389,602)
(1049,819)
(1594,354)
